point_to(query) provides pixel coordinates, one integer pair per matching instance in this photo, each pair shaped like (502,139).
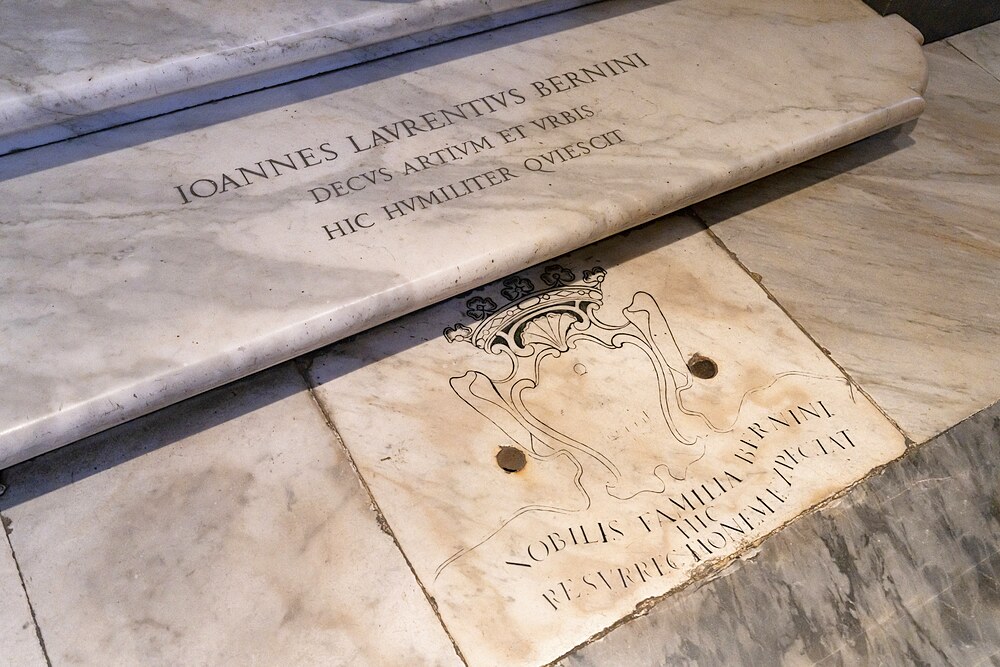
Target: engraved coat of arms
(563,393)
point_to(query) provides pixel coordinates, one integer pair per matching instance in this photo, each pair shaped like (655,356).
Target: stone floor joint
(758,278)
(20,575)
(302,367)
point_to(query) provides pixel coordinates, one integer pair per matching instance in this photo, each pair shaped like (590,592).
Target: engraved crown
(530,317)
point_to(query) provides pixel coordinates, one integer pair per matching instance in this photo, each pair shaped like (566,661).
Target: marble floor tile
(902,570)
(556,449)
(229,529)
(981,46)
(888,251)
(148,263)
(73,69)
(19,645)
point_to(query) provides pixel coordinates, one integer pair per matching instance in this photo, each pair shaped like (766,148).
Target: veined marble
(557,449)
(903,570)
(19,645)
(896,262)
(229,529)
(154,261)
(981,46)
(68,70)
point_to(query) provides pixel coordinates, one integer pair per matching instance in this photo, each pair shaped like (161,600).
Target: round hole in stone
(511,459)
(703,367)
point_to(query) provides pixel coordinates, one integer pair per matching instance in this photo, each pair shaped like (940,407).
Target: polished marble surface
(888,251)
(19,645)
(903,570)
(229,529)
(217,499)
(981,46)
(68,70)
(661,414)
(121,298)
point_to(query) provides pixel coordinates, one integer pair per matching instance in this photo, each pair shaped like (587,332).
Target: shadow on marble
(936,19)
(896,251)
(390,346)
(794,180)
(205,116)
(240,535)
(902,570)
(92,456)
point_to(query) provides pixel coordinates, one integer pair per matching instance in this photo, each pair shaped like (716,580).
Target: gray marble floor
(888,251)
(981,46)
(903,570)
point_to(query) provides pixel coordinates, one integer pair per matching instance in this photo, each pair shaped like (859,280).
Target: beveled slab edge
(115,408)
(110,101)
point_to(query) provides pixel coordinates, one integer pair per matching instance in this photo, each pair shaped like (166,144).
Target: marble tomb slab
(556,450)
(916,324)
(72,70)
(145,264)
(229,529)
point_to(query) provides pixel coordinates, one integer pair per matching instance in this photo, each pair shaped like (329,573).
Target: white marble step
(65,71)
(151,262)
